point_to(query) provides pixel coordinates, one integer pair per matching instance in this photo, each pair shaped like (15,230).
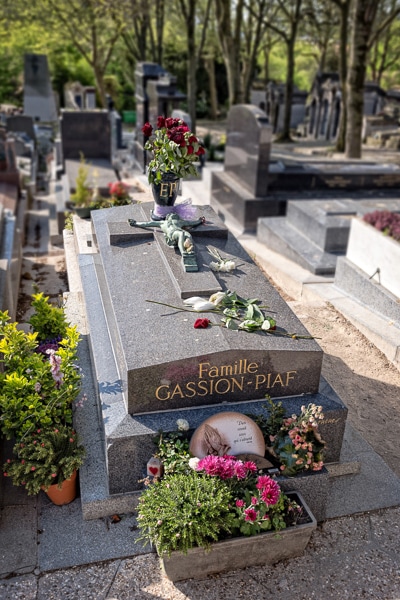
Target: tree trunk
(230,46)
(344,18)
(363,20)
(210,68)
(192,62)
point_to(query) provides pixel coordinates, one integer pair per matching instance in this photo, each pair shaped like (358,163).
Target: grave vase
(242,552)
(164,193)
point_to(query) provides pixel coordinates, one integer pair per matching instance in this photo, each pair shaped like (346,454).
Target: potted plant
(47,459)
(175,151)
(119,194)
(83,196)
(218,513)
(295,447)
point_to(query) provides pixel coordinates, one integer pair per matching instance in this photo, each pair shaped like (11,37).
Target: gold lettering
(202,385)
(236,383)
(163,189)
(252,368)
(278,379)
(260,379)
(190,387)
(201,365)
(158,394)
(172,188)
(213,372)
(289,376)
(217,386)
(177,392)
(226,370)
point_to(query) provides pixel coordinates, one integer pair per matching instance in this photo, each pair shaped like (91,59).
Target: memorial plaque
(227,433)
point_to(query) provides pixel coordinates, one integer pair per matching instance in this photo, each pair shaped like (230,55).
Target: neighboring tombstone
(241,189)
(90,98)
(144,73)
(87,133)
(39,101)
(22,124)
(8,160)
(275,106)
(181,114)
(315,233)
(156,94)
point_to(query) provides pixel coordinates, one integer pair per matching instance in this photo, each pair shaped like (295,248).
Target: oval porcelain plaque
(227,433)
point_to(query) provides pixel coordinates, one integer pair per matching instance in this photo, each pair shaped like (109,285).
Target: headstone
(39,101)
(144,73)
(153,367)
(241,189)
(87,133)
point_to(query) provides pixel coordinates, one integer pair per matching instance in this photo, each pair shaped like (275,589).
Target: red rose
(169,122)
(190,149)
(200,151)
(147,129)
(193,139)
(160,122)
(201,323)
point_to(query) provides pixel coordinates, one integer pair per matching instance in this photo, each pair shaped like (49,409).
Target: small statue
(176,235)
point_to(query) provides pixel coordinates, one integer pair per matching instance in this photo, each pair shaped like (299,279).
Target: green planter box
(129,116)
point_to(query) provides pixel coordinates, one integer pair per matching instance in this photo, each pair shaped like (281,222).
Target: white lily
(193,300)
(217,298)
(203,305)
(266,325)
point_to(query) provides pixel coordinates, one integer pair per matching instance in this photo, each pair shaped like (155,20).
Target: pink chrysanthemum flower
(250,515)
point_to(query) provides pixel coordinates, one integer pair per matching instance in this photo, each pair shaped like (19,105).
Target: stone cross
(177,235)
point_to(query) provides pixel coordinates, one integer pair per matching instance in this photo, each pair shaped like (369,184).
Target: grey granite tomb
(39,101)
(152,366)
(315,233)
(258,179)
(240,190)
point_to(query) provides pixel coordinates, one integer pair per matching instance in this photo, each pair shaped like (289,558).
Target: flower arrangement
(298,444)
(386,221)
(237,314)
(175,149)
(295,441)
(215,497)
(44,458)
(119,193)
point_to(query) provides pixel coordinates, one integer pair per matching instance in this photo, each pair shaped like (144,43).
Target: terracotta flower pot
(64,495)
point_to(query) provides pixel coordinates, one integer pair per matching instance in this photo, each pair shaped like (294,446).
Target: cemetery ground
(351,556)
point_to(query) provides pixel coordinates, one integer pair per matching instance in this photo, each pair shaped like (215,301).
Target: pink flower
(240,470)
(250,515)
(240,503)
(254,500)
(250,466)
(54,474)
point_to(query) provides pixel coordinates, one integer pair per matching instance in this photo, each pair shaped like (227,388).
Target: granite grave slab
(152,367)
